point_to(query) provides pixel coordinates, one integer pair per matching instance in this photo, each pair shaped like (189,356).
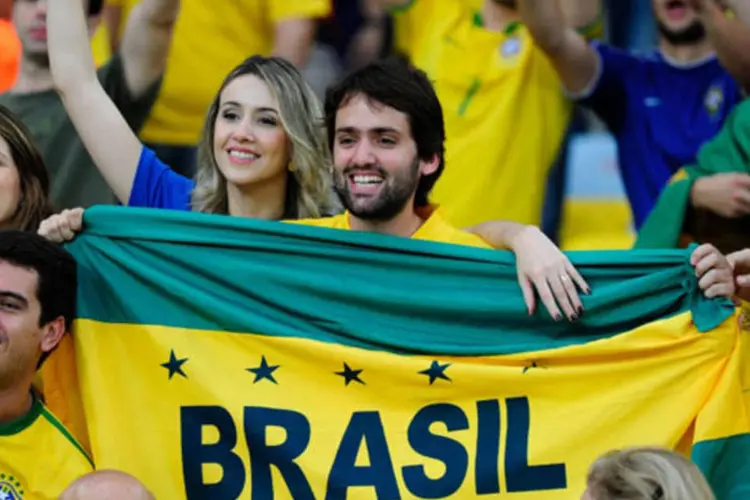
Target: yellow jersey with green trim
(435,228)
(38,457)
(506,114)
(210,39)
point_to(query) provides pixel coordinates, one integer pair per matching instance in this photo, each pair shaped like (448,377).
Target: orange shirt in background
(10,55)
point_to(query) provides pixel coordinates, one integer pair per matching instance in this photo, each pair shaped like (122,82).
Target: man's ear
(429,167)
(52,334)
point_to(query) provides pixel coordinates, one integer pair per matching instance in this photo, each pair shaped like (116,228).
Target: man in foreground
(37,306)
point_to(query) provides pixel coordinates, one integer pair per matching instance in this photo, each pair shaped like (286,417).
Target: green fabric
(726,465)
(24,421)
(728,152)
(358,289)
(75,180)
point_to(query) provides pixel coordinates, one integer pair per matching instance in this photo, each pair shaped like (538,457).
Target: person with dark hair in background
(660,106)
(24,184)
(37,306)
(131,79)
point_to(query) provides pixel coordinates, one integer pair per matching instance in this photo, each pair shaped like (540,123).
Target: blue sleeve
(607,94)
(158,186)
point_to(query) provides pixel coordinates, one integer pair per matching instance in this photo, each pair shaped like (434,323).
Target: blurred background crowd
(563,173)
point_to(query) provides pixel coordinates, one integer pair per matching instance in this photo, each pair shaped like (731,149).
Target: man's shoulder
(42,448)
(436,228)
(434,9)
(66,442)
(458,236)
(335,222)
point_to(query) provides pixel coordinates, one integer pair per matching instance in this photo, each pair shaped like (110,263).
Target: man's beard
(395,192)
(693,34)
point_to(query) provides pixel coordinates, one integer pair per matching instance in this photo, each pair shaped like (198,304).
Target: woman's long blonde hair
(309,185)
(646,474)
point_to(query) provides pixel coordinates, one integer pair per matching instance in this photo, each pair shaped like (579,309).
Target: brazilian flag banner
(222,358)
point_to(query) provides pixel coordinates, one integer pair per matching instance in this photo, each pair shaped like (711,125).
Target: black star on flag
(174,365)
(532,364)
(264,371)
(436,371)
(350,375)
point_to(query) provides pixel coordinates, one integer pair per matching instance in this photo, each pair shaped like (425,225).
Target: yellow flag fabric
(221,358)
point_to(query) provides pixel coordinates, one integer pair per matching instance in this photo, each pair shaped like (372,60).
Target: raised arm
(293,39)
(104,132)
(580,14)
(295,24)
(112,17)
(574,60)
(730,35)
(369,41)
(146,41)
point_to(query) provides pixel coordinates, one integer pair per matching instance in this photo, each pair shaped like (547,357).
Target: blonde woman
(261,153)
(646,474)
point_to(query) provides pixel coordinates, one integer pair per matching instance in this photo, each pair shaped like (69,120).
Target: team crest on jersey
(714,99)
(510,47)
(10,488)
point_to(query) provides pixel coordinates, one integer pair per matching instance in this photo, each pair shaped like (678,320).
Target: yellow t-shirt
(100,43)
(505,111)
(38,457)
(210,39)
(435,228)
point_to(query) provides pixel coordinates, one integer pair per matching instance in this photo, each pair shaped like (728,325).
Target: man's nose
(363,154)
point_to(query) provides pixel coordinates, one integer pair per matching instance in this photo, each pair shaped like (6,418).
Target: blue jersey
(158,186)
(660,113)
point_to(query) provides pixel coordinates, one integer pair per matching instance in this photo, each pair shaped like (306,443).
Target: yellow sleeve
(414,20)
(336,222)
(280,10)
